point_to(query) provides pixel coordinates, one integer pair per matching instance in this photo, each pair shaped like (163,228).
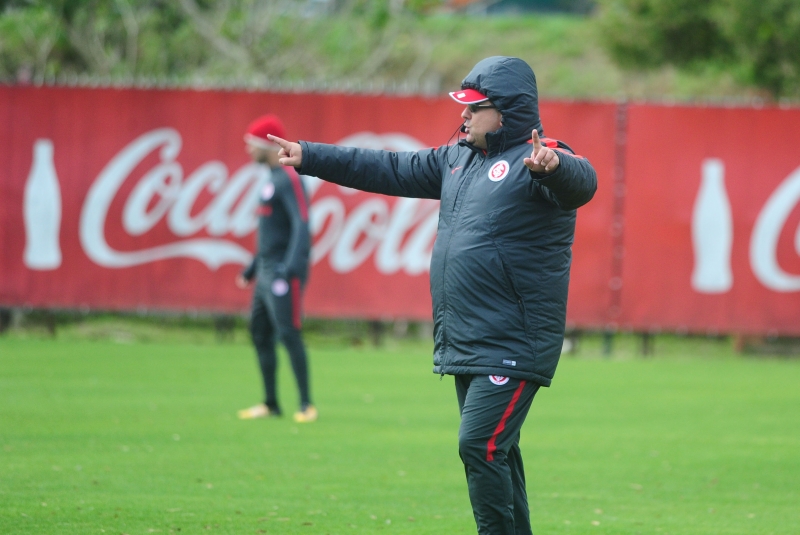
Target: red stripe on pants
(491,447)
(296,303)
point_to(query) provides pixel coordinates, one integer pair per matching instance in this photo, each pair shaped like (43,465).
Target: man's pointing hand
(291,154)
(543,159)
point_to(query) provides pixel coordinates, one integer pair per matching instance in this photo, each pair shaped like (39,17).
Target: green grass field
(104,436)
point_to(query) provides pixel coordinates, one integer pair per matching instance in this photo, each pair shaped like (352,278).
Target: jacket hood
(511,86)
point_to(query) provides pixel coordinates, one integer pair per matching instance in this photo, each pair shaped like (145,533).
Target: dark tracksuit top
(281,266)
(500,264)
(284,241)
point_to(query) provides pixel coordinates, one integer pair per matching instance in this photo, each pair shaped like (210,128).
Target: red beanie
(258,130)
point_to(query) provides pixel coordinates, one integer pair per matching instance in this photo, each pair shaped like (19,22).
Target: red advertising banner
(590,129)
(144,199)
(712,214)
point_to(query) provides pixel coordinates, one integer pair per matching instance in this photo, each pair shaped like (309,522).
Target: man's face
(480,119)
(259,154)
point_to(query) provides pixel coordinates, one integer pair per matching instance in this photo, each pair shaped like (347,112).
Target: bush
(757,39)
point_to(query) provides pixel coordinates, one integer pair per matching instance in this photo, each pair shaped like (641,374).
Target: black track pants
(493,410)
(276,316)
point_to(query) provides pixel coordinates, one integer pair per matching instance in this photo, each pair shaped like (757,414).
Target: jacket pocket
(508,275)
(514,293)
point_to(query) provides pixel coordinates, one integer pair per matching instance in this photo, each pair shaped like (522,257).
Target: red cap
(468,96)
(258,130)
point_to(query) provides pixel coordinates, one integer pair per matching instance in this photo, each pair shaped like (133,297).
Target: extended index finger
(280,141)
(537,144)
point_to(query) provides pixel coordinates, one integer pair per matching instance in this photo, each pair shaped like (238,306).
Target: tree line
(420,44)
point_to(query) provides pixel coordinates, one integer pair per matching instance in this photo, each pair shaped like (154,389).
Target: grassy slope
(565,51)
(408,54)
(134,437)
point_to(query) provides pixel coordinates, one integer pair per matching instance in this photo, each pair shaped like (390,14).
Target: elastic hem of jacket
(485,370)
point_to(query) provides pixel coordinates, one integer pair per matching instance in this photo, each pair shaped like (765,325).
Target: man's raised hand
(543,159)
(291,154)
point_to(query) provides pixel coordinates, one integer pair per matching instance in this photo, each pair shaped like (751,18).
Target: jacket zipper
(468,179)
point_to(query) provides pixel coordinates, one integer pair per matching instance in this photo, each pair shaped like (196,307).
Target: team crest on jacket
(268,191)
(499,171)
(499,380)
(280,287)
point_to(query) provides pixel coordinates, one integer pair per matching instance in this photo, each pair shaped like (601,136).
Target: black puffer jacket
(500,265)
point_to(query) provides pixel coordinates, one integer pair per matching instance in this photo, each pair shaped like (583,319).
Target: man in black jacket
(500,264)
(280,269)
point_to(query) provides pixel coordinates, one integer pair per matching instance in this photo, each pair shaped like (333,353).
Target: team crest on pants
(499,380)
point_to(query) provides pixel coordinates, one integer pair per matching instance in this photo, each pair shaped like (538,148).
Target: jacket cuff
(556,175)
(307,162)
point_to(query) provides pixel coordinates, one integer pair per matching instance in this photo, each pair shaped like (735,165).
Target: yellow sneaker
(258,411)
(306,416)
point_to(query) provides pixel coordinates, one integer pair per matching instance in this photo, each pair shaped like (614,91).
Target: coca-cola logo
(766,232)
(162,192)
(399,235)
(713,228)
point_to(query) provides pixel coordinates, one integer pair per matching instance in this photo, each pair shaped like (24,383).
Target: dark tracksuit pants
(488,442)
(276,315)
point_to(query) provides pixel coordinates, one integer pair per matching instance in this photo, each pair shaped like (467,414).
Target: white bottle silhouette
(42,210)
(712,232)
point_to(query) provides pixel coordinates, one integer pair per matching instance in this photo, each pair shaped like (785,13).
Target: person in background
(280,271)
(500,264)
